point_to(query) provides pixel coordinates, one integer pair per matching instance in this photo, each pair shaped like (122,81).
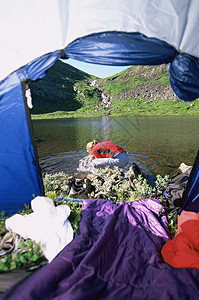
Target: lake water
(158,144)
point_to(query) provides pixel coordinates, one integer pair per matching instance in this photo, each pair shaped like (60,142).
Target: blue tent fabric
(183,74)
(190,197)
(120,49)
(37,68)
(19,173)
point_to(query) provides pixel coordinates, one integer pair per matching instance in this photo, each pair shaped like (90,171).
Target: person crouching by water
(107,154)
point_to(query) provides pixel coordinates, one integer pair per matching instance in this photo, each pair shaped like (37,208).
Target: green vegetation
(140,90)
(128,107)
(108,184)
(157,107)
(55,92)
(29,254)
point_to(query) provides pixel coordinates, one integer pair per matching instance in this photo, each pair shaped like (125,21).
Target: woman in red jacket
(107,154)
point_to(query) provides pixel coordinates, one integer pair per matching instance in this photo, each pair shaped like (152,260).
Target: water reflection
(158,144)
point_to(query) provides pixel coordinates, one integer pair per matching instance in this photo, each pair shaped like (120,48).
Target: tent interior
(126,239)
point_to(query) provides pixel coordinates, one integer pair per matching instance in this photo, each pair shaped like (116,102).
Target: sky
(93,69)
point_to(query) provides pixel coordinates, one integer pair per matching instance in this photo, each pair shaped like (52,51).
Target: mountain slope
(55,91)
(138,90)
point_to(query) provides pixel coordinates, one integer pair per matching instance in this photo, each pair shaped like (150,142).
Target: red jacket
(106,149)
(183,250)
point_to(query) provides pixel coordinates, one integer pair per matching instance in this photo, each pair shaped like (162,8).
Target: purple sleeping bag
(115,256)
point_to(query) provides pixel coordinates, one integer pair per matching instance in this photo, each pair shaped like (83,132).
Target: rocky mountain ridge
(148,82)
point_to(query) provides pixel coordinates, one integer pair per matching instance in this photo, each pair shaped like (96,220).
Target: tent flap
(183,74)
(19,170)
(19,175)
(120,49)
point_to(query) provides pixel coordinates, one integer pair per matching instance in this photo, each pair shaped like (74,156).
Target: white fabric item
(30,29)
(29,98)
(48,225)
(120,160)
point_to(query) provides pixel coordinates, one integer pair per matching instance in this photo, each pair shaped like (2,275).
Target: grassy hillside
(55,92)
(139,90)
(144,90)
